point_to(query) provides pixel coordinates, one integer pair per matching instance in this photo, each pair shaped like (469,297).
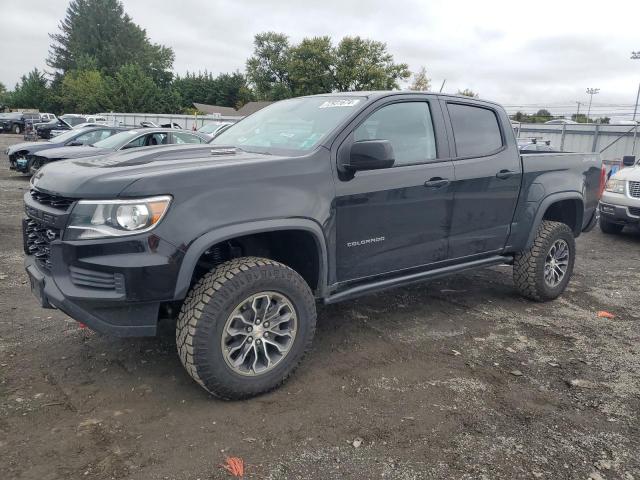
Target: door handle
(504,174)
(437,182)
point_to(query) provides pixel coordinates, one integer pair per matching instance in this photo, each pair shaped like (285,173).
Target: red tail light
(603,181)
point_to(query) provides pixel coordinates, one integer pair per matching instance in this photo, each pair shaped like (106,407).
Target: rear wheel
(245,326)
(17,129)
(543,271)
(611,228)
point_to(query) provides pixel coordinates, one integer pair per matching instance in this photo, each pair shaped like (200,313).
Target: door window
(148,140)
(181,138)
(138,142)
(475,129)
(92,137)
(407,126)
(157,139)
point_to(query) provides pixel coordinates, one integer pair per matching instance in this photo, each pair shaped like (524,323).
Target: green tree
(132,90)
(366,65)
(200,88)
(225,90)
(467,92)
(4,97)
(421,82)
(100,32)
(311,64)
(544,113)
(268,68)
(32,91)
(581,118)
(85,91)
(232,90)
(520,117)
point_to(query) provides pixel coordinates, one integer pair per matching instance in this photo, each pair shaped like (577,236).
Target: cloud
(506,52)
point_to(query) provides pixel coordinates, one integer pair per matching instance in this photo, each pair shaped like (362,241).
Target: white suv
(620,202)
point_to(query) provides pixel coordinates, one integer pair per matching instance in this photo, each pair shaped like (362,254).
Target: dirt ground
(455,379)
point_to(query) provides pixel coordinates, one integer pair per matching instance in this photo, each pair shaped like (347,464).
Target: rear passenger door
(395,218)
(487,178)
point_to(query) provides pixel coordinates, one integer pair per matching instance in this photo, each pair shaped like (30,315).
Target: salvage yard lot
(459,378)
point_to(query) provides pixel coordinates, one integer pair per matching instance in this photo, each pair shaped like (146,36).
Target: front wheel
(543,271)
(17,129)
(245,327)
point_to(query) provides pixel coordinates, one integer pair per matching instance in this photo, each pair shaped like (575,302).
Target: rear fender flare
(544,206)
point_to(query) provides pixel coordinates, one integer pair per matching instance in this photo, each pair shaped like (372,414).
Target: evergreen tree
(100,32)
(32,91)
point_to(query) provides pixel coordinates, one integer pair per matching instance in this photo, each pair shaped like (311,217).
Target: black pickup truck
(17,122)
(320,198)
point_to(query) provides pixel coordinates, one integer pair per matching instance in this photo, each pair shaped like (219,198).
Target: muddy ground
(455,379)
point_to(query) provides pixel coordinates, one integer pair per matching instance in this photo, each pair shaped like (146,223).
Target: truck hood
(74,152)
(629,173)
(108,175)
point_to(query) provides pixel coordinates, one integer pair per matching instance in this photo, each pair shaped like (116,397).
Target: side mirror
(370,155)
(629,160)
(75,144)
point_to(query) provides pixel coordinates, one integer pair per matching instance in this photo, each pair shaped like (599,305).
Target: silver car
(620,202)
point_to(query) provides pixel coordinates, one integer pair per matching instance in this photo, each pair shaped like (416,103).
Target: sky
(525,55)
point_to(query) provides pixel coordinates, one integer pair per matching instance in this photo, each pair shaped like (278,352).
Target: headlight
(115,218)
(615,186)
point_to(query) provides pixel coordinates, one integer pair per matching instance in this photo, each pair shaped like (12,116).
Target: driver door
(396,218)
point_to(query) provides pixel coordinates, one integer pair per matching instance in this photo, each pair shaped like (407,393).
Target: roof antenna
(442,86)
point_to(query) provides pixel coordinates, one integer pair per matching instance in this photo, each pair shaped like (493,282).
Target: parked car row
(16,122)
(93,141)
(46,125)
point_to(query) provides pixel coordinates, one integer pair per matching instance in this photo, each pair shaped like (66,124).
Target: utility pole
(578,112)
(636,56)
(591,92)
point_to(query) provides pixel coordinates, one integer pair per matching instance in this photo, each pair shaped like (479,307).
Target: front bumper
(114,286)
(117,319)
(620,214)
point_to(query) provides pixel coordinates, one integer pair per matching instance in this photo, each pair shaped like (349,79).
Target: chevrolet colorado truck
(320,198)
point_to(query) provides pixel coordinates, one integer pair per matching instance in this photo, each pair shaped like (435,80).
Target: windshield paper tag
(339,103)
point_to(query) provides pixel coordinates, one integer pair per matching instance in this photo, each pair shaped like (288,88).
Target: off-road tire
(528,265)
(17,130)
(209,303)
(610,228)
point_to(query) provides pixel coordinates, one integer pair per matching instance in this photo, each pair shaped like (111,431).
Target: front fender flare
(201,244)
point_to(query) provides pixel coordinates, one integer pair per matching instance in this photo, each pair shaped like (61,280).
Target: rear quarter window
(475,129)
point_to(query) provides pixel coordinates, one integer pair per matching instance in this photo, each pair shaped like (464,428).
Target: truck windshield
(291,126)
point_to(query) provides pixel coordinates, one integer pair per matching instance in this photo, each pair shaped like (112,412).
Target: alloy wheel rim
(259,333)
(556,263)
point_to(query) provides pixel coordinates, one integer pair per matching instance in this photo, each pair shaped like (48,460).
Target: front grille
(634,211)
(82,277)
(37,238)
(634,189)
(54,201)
